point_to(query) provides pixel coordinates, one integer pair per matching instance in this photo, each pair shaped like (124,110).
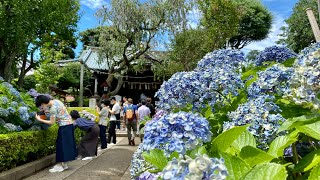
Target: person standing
(143,110)
(113,120)
(65,143)
(103,122)
(131,121)
(150,106)
(88,145)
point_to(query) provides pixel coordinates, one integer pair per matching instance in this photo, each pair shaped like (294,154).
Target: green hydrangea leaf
(157,158)
(315,173)
(235,165)
(311,130)
(278,145)
(245,139)
(268,171)
(254,156)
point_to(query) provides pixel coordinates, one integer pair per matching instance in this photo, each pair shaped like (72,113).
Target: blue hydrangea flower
(263,116)
(306,79)
(12,90)
(221,58)
(176,132)
(197,88)
(14,104)
(274,80)
(23,114)
(202,167)
(11,110)
(35,128)
(12,127)
(274,53)
(2,122)
(4,100)
(4,112)
(1,79)
(138,164)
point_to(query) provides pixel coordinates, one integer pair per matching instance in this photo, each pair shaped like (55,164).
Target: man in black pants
(115,112)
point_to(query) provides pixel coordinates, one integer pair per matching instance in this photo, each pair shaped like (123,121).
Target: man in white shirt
(115,115)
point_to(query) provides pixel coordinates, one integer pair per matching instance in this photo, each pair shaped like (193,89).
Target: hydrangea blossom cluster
(274,53)
(221,58)
(87,115)
(263,116)
(176,132)
(199,88)
(306,79)
(273,80)
(202,167)
(24,114)
(4,112)
(138,164)
(1,79)
(149,176)
(12,127)
(12,90)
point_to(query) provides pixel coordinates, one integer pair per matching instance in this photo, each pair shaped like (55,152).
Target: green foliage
(254,156)
(245,139)
(298,34)
(221,18)
(29,82)
(311,130)
(315,173)
(48,74)
(70,77)
(279,144)
(308,162)
(29,25)
(219,144)
(254,25)
(268,171)
(237,167)
(295,122)
(157,158)
(252,55)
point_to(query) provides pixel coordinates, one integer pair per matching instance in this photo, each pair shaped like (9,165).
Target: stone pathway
(110,164)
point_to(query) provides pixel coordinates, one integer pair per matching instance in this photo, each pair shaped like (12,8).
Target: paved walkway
(110,164)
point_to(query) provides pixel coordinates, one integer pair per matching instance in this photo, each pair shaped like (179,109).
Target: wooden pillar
(314,24)
(81,85)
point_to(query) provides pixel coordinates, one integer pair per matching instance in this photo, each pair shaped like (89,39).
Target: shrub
(18,148)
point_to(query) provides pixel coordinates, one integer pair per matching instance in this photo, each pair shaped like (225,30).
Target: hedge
(22,147)
(18,148)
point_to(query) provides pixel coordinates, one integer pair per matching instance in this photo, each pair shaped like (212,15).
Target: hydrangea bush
(17,109)
(253,115)
(274,53)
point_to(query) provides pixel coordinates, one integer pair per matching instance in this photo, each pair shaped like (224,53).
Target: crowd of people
(112,114)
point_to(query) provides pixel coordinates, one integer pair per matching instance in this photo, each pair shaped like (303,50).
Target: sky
(280,9)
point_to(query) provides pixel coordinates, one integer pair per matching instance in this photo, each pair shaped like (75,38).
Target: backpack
(130,113)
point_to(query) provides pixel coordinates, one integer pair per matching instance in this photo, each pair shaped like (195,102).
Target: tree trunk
(118,87)
(7,68)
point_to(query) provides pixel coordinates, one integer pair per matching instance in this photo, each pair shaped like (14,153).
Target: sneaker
(56,168)
(112,144)
(65,167)
(86,158)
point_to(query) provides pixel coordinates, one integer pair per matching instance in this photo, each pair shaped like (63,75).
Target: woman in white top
(103,122)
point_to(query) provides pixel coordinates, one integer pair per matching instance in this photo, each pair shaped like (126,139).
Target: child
(65,144)
(89,142)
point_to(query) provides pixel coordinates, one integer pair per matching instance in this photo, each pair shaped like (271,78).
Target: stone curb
(28,169)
